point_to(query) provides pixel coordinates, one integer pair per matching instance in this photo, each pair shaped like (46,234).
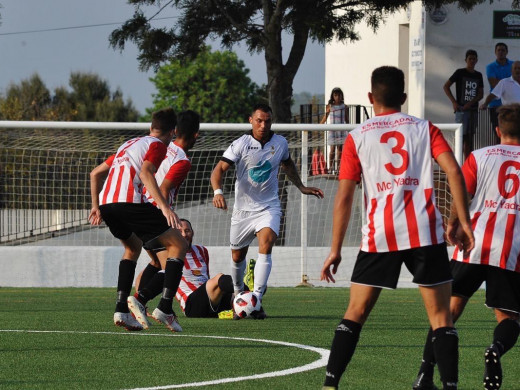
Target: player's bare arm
(290,170)
(165,187)
(216,183)
(341,216)
(449,165)
(147,176)
(97,176)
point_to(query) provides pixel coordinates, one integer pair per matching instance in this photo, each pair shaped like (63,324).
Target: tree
(89,99)
(214,84)
(28,101)
(258,24)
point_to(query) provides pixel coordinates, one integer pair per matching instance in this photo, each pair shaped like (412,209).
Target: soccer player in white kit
(133,220)
(257,211)
(392,153)
(492,179)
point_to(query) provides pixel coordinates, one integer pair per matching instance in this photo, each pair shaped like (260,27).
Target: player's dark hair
(185,220)
(338,91)
(471,52)
(164,120)
(388,85)
(501,44)
(262,107)
(188,124)
(509,120)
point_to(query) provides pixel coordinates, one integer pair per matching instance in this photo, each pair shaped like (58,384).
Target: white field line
(321,362)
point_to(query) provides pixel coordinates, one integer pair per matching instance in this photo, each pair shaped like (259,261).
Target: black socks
(172,279)
(446,349)
(124,284)
(343,347)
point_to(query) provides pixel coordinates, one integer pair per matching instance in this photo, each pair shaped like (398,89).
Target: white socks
(237,274)
(263,267)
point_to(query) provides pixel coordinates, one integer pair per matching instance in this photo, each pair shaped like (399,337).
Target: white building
(428,47)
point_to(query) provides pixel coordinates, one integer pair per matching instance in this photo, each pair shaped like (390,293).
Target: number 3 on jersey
(397,149)
(504,178)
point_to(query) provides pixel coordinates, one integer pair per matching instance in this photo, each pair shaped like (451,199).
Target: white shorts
(245,225)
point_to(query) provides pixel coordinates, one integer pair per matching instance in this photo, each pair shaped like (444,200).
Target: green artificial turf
(65,339)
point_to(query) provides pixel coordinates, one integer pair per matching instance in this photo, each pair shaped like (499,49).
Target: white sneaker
(126,321)
(170,320)
(138,310)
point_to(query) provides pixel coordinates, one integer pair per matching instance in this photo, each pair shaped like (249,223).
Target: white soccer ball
(246,303)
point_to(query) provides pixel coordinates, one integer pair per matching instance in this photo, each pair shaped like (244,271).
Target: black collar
(271,133)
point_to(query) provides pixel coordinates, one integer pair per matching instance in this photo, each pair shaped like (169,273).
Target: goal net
(45,193)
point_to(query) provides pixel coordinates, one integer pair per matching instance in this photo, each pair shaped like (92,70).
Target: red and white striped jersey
(194,274)
(123,184)
(175,167)
(392,153)
(492,176)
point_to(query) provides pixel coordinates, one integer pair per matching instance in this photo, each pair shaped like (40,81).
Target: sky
(55,54)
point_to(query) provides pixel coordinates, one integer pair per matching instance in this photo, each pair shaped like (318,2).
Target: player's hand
(95,216)
(460,236)
(312,191)
(451,232)
(333,261)
(483,106)
(171,217)
(220,202)
(466,238)
(177,220)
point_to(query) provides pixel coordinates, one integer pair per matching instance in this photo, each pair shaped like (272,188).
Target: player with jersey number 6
(392,153)
(258,156)
(492,179)
(133,219)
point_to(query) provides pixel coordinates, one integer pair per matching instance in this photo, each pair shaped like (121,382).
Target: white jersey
(392,154)
(257,166)
(123,184)
(175,157)
(194,274)
(492,176)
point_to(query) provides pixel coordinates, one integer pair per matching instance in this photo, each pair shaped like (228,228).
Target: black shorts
(502,286)
(199,305)
(143,219)
(429,265)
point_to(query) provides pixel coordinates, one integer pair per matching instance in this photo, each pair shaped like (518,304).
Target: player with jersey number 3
(393,154)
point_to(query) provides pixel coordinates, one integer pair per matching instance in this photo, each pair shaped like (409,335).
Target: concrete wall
(44,266)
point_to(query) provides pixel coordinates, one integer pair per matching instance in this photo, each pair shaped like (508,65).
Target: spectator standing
(335,113)
(496,71)
(508,89)
(469,87)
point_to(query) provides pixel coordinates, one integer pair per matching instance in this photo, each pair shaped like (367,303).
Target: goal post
(45,201)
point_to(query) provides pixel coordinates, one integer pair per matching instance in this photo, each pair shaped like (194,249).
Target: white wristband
(218,192)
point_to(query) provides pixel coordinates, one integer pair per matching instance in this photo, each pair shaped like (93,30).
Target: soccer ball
(246,303)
